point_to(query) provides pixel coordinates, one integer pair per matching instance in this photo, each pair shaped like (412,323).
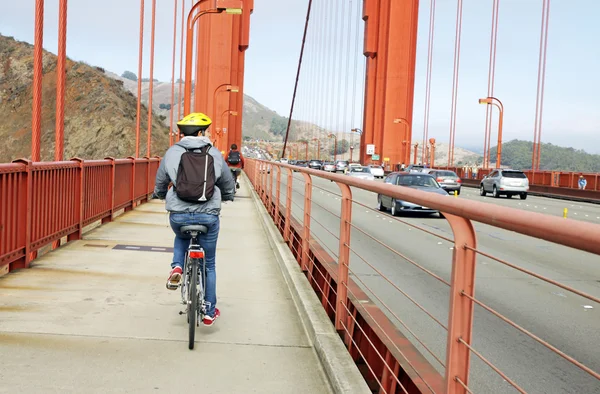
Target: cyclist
(202,213)
(235,160)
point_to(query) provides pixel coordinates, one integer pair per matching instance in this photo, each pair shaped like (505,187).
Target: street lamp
(227,6)
(497,103)
(406,149)
(334,146)
(306,149)
(318,147)
(355,130)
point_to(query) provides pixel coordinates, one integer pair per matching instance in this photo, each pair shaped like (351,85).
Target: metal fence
(393,353)
(42,202)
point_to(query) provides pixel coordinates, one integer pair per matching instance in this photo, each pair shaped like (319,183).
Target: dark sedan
(414,180)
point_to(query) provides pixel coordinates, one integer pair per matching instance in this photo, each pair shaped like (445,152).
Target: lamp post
(416,150)
(355,130)
(406,150)
(497,103)
(334,146)
(221,131)
(224,87)
(227,6)
(432,152)
(306,149)
(318,147)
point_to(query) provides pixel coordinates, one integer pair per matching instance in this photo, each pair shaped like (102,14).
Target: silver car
(505,182)
(329,166)
(361,173)
(341,166)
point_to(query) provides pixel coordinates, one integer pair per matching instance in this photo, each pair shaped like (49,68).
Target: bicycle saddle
(194,228)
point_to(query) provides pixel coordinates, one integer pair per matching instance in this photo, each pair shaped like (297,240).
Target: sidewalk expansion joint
(85,336)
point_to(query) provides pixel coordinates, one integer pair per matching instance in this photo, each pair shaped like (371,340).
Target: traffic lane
(579,211)
(492,276)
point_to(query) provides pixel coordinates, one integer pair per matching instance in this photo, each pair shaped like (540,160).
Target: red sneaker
(209,321)
(174,278)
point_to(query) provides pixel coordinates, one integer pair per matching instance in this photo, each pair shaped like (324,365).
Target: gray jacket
(167,173)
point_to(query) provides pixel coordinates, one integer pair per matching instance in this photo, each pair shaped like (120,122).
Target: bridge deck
(94,316)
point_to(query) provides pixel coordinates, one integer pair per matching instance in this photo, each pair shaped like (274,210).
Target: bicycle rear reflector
(196,254)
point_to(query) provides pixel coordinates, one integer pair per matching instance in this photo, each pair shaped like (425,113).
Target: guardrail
(42,202)
(393,356)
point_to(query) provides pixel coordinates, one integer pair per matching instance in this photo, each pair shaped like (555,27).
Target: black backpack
(234,157)
(196,178)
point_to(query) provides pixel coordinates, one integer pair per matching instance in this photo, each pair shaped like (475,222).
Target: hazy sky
(107,35)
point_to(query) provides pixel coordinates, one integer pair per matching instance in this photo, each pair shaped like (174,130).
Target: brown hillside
(100,115)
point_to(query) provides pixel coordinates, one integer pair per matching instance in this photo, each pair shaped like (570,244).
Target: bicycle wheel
(193,302)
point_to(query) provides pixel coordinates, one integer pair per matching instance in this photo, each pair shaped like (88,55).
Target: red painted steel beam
(60,81)
(38,72)
(390,47)
(151,87)
(139,88)
(173,74)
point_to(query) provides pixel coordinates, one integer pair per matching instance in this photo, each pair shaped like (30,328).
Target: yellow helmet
(194,123)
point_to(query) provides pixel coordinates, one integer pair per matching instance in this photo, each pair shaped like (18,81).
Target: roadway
(562,318)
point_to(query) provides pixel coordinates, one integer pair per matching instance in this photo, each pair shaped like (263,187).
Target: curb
(341,371)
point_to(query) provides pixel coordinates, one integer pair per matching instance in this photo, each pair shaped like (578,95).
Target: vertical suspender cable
(491,78)
(340,73)
(139,77)
(535,165)
(38,72)
(148,148)
(355,73)
(179,100)
(173,75)
(60,82)
(347,87)
(454,83)
(287,132)
(428,79)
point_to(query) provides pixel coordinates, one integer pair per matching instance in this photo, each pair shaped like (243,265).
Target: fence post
(288,207)
(147,158)
(278,196)
(269,180)
(306,221)
(112,190)
(460,319)
(344,256)
(132,183)
(79,198)
(25,215)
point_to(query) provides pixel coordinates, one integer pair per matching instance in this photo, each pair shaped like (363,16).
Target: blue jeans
(208,242)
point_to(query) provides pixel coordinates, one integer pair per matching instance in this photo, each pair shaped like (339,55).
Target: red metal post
(455,83)
(139,77)
(38,72)
(460,319)
(416,150)
(173,75)
(344,256)
(306,221)
(288,207)
(179,98)
(278,196)
(150,88)
(60,81)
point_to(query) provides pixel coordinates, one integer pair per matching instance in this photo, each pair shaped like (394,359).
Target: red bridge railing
(391,348)
(42,202)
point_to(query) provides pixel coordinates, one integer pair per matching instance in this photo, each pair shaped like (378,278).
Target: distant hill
(517,154)
(100,116)
(258,122)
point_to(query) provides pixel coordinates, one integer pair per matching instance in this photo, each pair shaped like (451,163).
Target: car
(315,164)
(329,166)
(284,160)
(377,171)
(448,180)
(361,173)
(505,182)
(414,180)
(354,165)
(341,166)
(415,168)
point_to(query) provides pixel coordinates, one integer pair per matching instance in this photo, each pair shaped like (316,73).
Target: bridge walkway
(94,316)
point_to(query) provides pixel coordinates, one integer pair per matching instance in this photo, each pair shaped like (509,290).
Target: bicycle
(192,286)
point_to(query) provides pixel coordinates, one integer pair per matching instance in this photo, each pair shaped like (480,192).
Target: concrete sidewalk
(94,316)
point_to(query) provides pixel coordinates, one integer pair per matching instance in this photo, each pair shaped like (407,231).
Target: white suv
(505,182)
